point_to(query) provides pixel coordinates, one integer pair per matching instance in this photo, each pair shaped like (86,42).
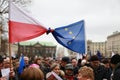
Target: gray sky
(102,17)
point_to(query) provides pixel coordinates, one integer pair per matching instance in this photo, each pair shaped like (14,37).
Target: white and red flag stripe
(22,26)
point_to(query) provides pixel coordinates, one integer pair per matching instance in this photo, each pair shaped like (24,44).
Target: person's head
(26,59)
(106,63)
(115,60)
(32,73)
(94,60)
(38,61)
(55,68)
(7,63)
(74,62)
(69,69)
(65,60)
(86,73)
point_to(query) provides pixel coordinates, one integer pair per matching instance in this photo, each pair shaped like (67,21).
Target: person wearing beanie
(69,72)
(100,72)
(65,60)
(115,64)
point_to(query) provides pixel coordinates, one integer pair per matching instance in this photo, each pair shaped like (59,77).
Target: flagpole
(9,37)
(85,39)
(10,55)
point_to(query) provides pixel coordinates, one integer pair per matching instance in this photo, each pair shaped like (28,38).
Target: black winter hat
(66,59)
(94,58)
(115,59)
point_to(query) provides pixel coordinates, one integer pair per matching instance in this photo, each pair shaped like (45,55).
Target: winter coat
(116,72)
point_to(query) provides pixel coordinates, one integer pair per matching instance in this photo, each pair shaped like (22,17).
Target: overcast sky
(102,17)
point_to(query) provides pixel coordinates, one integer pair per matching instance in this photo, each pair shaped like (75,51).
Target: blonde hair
(32,73)
(87,72)
(54,65)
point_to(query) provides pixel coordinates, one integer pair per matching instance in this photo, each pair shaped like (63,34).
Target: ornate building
(113,43)
(37,48)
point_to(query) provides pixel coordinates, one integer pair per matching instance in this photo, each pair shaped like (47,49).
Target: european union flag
(22,65)
(72,36)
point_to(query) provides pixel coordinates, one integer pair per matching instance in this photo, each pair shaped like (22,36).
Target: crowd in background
(46,68)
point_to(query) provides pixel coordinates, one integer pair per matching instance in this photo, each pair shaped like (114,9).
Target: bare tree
(4,4)
(4,8)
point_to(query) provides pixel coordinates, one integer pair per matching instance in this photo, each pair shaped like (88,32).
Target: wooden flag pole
(10,55)
(9,45)
(10,58)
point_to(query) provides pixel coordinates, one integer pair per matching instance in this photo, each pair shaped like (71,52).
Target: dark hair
(1,59)
(79,60)
(94,58)
(115,59)
(66,59)
(105,61)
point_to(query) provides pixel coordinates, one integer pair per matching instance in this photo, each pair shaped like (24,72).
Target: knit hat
(34,65)
(69,66)
(115,59)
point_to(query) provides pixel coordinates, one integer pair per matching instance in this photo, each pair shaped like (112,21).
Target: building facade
(113,43)
(42,49)
(93,47)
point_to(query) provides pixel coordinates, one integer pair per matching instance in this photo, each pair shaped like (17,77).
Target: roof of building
(27,43)
(114,34)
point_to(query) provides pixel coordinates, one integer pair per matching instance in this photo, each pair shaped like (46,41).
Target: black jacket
(116,72)
(100,73)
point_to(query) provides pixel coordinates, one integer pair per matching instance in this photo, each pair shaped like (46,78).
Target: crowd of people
(65,68)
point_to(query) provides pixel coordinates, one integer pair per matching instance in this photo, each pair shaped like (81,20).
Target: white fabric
(17,14)
(53,73)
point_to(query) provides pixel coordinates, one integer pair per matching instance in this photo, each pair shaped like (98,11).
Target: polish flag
(22,26)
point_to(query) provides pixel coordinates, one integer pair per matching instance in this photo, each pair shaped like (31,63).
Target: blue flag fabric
(22,65)
(72,36)
(99,55)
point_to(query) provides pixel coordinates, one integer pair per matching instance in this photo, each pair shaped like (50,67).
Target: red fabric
(69,77)
(22,31)
(51,77)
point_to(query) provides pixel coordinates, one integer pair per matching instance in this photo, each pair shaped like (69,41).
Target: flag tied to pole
(23,27)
